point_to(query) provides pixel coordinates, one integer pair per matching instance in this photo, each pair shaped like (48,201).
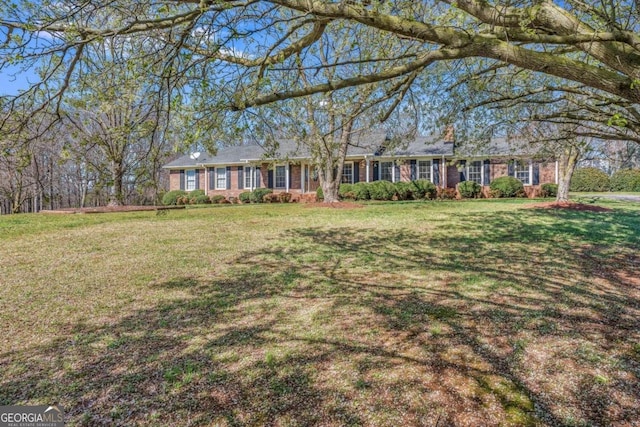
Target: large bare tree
(591,42)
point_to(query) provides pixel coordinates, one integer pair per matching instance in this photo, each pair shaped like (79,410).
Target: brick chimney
(449,134)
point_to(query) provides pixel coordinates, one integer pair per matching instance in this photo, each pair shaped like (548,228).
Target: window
(386,171)
(522,172)
(424,170)
(281,178)
(248,183)
(190,179)
(474,172)
(347,173)
(221,178)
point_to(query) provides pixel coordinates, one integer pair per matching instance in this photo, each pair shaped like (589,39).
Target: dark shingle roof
(498,147)
(362,144)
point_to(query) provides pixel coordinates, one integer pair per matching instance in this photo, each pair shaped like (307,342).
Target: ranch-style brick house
(237,169)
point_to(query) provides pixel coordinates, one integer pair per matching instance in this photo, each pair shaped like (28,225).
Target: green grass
(434,313)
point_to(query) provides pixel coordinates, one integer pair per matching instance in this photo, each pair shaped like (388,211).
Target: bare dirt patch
(105,209)
(335,205)
(569,205)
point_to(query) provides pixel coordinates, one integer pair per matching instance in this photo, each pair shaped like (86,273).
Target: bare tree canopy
(247,51)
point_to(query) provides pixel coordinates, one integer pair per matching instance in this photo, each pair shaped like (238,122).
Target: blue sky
(12,80)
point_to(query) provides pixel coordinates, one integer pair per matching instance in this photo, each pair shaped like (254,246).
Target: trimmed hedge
(202,199)
(506,186)
(218,198)
(626,180)
(469,189)
(590,179)
(171,198)
(361,191)
(255,196)
(404,190)
(382,190)
(346,191)
(424,189)
(549,190)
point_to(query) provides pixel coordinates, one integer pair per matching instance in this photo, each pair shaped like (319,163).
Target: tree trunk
(330,191)
(117,175)
(567,164)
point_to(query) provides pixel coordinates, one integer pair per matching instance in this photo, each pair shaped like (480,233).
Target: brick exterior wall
(498,168)
(405,171)
(174,180)
(453,175)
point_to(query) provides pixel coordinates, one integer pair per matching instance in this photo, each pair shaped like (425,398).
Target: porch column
(252,179)
(367,163)
(302,178)
(286,177)
(206,180)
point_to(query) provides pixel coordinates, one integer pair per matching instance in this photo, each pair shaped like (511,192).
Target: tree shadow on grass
(507,321)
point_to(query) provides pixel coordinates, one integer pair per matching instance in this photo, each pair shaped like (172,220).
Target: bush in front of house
(382,190)
(361,191)
(549,190)
(404,190)
(590,179)
(245,197)
(423,189)
(271,198)
(257,195)
(469,189)
(626,180)
(319,194)
(217,199)
(446,193)
(171,198)
(285,197)
(506,186)
(346,191)
(202,199)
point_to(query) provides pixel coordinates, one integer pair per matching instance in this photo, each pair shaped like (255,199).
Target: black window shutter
(228,177)
(414,169)
(463,171)
(376,171)
(536,173)
(291,184)
(486,179)
(270,178)
(396,175)
(258,175)
(511,169)
(356,172)
(182,179)
(212,178)
(240,177)
(436,171)
(197,179)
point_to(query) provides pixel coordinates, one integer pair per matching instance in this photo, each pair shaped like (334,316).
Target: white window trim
(252,179)
(275,175)
(430,168)
(481,170)
(393,169)
(530,183)
(216,178)
(353,172)
(187,172)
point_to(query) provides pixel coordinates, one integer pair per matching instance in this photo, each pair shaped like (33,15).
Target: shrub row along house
(289,168)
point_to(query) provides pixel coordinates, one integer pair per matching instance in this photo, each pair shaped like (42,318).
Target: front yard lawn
(478,313)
